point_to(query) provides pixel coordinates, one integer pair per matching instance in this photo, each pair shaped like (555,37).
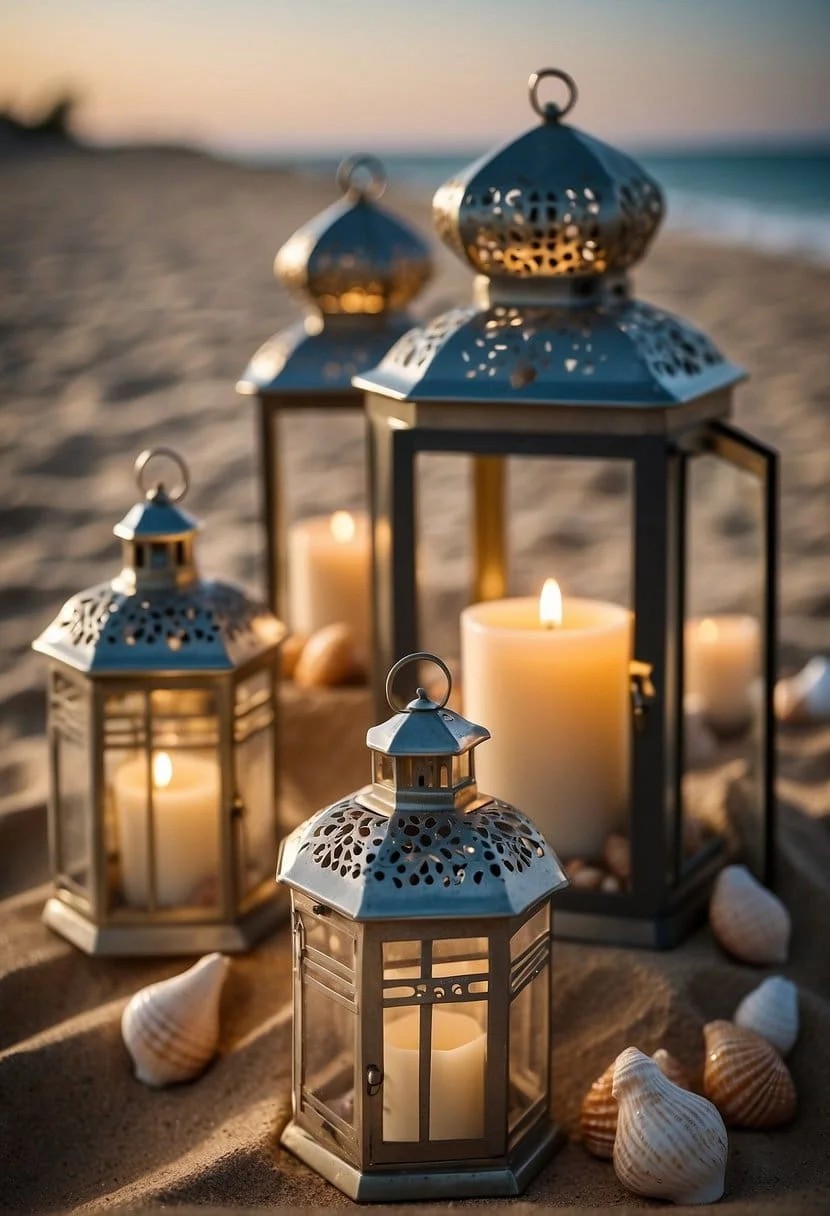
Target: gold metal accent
(550,111)
(144,459)
(490,540)
(642,690)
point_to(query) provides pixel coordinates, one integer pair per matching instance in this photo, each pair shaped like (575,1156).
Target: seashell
(670,1144)
(573,865)
(616,853)
(611,885)
(588,878)
(598,1115)
(290,651)
(328,658)
(171,1029)
(748,920)
(700,743)
(746,1078)
(805,697)
(771,1010)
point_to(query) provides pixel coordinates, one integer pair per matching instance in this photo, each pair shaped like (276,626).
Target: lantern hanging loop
(550,111)
(150,454)
(421,693)
(362,176)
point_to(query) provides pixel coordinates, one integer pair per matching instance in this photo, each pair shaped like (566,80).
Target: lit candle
(722,659)
(186,822)
(550,679)
(457,1066)
(329,574)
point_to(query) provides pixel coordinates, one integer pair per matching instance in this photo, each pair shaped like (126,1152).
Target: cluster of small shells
(612,871)
(328,658)
(171,1028)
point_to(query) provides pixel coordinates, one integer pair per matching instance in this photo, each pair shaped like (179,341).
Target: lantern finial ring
(150,454)
(550,111)
(417,657)
(361,176)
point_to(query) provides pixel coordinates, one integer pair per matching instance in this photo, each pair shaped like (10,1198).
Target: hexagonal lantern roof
(159,615)
(551,223)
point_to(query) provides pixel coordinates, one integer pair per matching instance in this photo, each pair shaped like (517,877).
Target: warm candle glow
(708,630)
(342,527)
(550,604)
(162,770)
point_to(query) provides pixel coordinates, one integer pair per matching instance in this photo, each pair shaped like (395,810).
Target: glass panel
(75,813)
(722,731)
(179,767)
(458,1069)
(255,781)
(529,932)
(529,1047)
(328,1030)
(321,935)
(401,1081)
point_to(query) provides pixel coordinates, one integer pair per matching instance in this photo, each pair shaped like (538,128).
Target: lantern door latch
(642,690)
(374,1079)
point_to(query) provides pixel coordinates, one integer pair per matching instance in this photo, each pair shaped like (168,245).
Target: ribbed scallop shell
(748,920)
(670,1144)
(171,1029)
(598,1116)
(746,1078)
(771,1010)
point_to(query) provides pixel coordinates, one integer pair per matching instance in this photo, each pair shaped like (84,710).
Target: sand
(134,288)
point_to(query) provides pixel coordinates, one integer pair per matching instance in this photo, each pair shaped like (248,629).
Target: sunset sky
(319,74)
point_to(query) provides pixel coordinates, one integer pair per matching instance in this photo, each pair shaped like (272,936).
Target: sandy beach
(134,286)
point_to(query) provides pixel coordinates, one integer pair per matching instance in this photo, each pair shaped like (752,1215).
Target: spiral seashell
(746,1078)
(748,920)
(805,697)
(171,1029)
(598,1116)
(771,1010)
(670,1144)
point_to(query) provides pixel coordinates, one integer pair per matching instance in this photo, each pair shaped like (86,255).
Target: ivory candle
(186,825)
(329,574)
(722,660)
(458,1055)
(550,679)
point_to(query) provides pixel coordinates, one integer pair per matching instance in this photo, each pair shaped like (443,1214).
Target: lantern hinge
(642,690)
(299,937)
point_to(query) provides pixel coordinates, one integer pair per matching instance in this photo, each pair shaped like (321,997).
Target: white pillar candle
(329,574)
(186,791)
(722,661)
(555,697)
(458,1056)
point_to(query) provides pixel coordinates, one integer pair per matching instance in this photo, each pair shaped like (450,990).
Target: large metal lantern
(162,724)
(421,913)
(356,266)
(641,706)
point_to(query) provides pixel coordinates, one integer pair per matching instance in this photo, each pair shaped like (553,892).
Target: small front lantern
(356,267)
(422,946)
(623,710)
(162,709)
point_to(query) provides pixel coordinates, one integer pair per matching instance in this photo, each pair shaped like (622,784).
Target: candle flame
(162,770)
(550,604)
(342,527)
(708,630)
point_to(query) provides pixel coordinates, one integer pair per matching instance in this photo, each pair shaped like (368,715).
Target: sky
(318,75)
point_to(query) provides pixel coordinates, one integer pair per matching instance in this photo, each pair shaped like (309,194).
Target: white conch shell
(598,1115)
(771,1010)
(746,1078)
(805,697)
(171,1029)
(747,919)
(670,1144)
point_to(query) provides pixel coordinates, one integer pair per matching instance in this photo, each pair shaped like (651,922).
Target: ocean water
(775,200)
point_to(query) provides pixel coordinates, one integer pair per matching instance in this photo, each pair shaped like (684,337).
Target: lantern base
(163,938)
(479,1181)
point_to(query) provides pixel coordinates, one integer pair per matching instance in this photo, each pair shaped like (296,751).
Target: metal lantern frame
(412,895)
(357,267)
(160,660)
(489,381)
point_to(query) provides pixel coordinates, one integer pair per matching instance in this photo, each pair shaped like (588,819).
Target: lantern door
(436,1095)
(726,665)
(74,831)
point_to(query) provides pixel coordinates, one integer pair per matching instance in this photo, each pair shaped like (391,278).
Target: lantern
(628,407)
(162,721)
(357,267)
(421,913)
